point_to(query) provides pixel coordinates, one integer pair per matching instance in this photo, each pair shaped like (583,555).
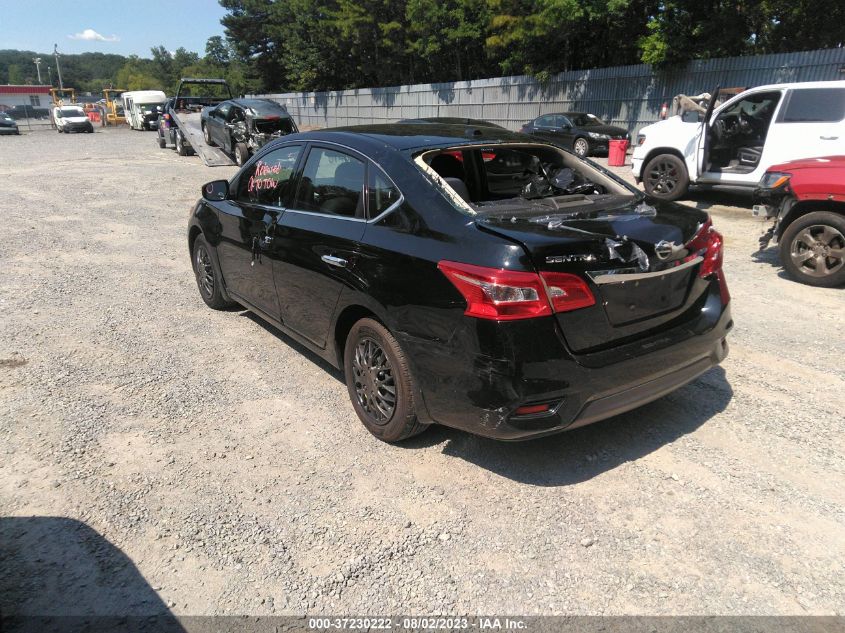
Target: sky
(116,26)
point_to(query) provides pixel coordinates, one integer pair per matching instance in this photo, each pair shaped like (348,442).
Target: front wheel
(207,136)
(379,382)
(208,276)
(665,177)
(812,249)
(581,147)
(241,153)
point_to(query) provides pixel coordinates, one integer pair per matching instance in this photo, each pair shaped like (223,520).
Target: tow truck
(180,125)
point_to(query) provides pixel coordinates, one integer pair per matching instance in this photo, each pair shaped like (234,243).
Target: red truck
(806,199)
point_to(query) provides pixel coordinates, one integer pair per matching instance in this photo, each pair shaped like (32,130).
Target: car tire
(581,147)
(180,145)
(665,177)
(209,279)
(812,249)
(373,363)
(241,154)
(207,136)
(162,142)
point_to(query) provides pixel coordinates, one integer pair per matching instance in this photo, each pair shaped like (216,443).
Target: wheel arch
(805,207)
(348,317)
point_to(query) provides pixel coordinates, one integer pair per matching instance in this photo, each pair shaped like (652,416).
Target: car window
(562,121)
(332,183)
(546,121)
(235,114)
(223,110)
(815,105)
(268,179)
(381,192)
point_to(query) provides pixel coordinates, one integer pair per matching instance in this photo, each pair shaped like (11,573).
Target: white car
(735,143)
(142,108)
(72,119)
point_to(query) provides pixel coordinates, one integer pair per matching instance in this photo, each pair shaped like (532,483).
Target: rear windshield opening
(490,179)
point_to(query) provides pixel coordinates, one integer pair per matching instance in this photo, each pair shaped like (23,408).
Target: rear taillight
(709,244)
(567,292)
(506,295)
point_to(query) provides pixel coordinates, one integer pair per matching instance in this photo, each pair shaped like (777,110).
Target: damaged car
(805,199)
(478,279)
(240,127)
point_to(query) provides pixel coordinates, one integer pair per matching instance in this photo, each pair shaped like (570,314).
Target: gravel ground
(160,455)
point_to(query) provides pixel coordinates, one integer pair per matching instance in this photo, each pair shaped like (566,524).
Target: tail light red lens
(567,292)
(709,244)
(506,295)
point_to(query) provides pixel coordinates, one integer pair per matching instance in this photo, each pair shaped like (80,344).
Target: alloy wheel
(818,250)
(204,271)
(581,147)
(663,177)
(375,386)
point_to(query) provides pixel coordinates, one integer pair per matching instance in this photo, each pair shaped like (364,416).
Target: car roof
(257,104)
(405,136)
(800,84)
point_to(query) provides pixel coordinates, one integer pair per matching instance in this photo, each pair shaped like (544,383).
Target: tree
(216,51)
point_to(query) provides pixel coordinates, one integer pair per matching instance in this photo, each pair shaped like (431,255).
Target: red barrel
(616,153)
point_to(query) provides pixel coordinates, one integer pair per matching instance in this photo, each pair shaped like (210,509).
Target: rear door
(247,222)
(317,241)
(811,123)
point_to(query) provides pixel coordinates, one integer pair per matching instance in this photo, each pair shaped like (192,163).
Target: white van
(735,143)
(142,108)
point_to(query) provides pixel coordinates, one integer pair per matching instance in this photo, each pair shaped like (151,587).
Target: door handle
(828,138)
(331,260)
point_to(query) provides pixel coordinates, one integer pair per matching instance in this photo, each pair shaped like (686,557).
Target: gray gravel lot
(229,467)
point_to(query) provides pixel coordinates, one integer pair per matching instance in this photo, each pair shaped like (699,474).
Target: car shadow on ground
(58,574)
(579,455)
(296,346)
(707,198)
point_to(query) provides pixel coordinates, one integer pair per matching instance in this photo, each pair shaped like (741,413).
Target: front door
(247,222)
(317,239)
(216,122)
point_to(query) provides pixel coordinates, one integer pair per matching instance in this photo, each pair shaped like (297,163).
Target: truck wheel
(581,147)
(180,145)
(207,136)
(241,153)
(812,249)
(665,177)
(162,143)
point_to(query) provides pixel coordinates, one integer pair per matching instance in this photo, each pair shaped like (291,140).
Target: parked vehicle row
(485,281)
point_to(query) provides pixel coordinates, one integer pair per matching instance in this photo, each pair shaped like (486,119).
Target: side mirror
(215,190)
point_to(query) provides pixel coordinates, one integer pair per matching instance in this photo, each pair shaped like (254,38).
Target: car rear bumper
(532,367)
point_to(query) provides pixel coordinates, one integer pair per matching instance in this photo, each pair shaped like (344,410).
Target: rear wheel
(581,147)
(241,153)
(181,149)
(812,249)
(208,277)
(207,135)
(162,142)
(665,177)
(379,382)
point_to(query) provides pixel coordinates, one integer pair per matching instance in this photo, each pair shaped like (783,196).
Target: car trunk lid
(631,253)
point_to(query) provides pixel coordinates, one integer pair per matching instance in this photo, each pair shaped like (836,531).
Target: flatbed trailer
(182,126)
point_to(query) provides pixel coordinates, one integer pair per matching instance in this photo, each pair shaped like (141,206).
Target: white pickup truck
(734,144)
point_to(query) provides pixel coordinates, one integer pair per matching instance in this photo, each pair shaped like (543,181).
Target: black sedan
(583,133)
(473,278)
(241,127)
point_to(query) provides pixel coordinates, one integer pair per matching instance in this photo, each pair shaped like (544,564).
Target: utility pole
(37,62)
(58,68)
